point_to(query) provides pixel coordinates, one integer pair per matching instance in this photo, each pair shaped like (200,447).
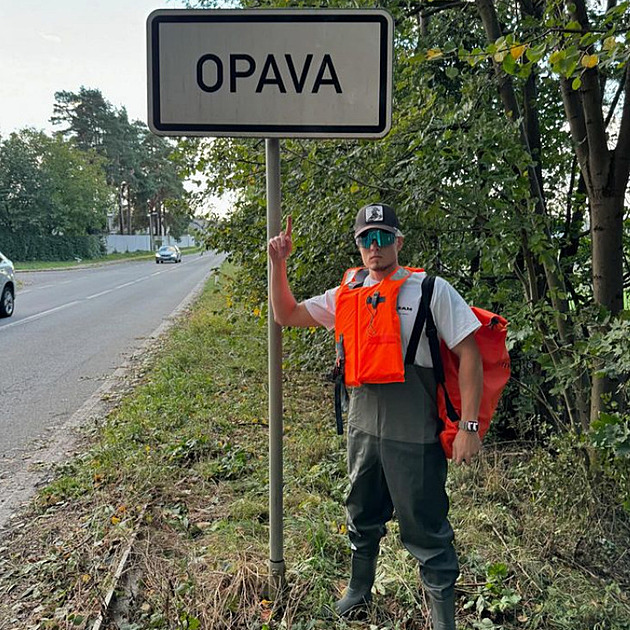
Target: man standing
(395,459)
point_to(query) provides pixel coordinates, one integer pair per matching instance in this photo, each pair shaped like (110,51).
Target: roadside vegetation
(177,474)
(107,258)
(97,171)
(507,162)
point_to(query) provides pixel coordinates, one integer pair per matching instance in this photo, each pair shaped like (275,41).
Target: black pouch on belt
(341,393)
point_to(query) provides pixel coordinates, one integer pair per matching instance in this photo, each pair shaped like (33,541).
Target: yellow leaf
(434,53)
(555,56)
(115,520)
(257,312)
(610,43)
(85,578)
(517,51)
(589,61)
(354,188)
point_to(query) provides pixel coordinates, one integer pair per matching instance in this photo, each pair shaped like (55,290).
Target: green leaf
(509,64)
(536,53)
(476,55)
(450,47)
(452,72)
(610,43)
(569,68)
(577,83)
(417,58)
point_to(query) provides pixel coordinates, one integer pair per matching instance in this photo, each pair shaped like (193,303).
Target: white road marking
(91,297)
(75,302)
(32,318)
(43,286)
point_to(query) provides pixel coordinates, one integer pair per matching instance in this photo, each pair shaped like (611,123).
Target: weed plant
(179,471)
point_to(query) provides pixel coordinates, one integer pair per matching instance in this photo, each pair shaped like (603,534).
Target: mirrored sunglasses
(382,238)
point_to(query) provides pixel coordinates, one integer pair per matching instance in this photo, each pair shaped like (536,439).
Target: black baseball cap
(376,215)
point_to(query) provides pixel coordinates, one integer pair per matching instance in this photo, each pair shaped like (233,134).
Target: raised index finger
(289,226)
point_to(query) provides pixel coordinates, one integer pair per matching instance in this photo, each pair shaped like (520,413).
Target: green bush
(25,247)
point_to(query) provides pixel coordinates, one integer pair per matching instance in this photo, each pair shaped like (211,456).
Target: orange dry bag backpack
(490,338)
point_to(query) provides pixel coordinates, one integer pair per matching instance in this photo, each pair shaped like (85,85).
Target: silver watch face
(469,425)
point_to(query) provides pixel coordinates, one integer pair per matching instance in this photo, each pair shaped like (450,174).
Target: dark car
(7,287)
(168,253)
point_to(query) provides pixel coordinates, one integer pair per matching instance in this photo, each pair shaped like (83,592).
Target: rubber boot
(359,592)
(443,610)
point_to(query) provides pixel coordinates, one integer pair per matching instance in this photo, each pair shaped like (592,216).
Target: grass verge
(180,466)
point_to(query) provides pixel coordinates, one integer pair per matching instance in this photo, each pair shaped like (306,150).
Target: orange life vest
(367,328)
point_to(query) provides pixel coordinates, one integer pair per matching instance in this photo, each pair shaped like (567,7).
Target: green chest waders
(396,464)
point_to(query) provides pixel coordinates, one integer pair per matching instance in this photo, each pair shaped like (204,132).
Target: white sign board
(270,73)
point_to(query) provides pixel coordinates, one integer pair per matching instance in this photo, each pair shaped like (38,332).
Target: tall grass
(541,544)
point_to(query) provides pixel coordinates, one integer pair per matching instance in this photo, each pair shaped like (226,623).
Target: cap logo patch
(373,213)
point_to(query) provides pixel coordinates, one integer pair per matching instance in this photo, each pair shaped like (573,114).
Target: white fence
(142,242)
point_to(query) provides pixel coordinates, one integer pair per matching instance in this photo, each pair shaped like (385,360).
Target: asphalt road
(70,331)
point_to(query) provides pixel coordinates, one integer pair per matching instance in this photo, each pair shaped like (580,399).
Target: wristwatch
(472,426)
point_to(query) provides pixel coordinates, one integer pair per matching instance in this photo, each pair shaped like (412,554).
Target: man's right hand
(280,246)
(286,311)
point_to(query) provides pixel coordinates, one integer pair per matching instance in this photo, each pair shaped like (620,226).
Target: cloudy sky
(47,46)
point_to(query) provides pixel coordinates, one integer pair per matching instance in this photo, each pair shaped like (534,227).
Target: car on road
(168,253)
(7,286)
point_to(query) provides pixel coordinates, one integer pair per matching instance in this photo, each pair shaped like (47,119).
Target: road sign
(270,73)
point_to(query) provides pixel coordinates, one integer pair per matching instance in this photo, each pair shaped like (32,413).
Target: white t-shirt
(453,318)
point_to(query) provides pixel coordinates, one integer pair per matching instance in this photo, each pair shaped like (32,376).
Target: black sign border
(302,131)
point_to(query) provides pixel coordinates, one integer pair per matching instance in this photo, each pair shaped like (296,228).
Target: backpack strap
(421,317)
(426,316)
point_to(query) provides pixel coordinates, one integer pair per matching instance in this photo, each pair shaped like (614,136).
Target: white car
(168,253)
(7,287)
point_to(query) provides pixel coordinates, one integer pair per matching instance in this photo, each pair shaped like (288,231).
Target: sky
(47,46)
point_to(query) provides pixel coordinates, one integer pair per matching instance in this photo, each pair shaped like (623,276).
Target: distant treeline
(99,168)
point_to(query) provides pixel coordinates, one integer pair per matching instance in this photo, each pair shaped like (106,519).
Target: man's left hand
(465,446)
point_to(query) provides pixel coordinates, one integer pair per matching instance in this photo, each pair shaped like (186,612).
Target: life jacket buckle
(375,300)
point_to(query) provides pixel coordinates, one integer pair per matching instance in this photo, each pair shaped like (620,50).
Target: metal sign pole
(276,551)
(331,78)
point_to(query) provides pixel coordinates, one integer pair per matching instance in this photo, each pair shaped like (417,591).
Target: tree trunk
(129,230)
(577,397)
(607,249)
(121,217)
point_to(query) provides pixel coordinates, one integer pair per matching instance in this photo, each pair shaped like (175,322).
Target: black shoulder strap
(421,317)
(425,314)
